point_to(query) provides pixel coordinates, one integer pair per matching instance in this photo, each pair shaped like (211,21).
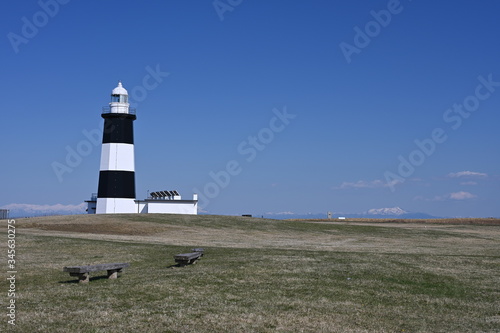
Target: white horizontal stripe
(117,156)
(115,206)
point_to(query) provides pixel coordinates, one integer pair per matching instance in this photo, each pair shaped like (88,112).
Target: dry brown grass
(258,275)
(227,231)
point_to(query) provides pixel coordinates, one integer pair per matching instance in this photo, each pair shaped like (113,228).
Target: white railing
(107,109)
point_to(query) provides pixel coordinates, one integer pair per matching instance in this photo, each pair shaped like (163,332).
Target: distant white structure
(341,218)
(92,204)
(116,189)
(4,214)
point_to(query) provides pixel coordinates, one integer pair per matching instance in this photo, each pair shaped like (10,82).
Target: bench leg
(113,273)
(82,277)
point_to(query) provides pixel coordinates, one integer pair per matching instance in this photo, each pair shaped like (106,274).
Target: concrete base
(113,273)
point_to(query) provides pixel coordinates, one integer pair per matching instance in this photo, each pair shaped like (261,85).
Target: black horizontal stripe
(118,130)
(116,184)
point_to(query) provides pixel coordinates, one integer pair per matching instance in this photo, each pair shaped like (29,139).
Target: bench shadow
(180,265)
(92,278)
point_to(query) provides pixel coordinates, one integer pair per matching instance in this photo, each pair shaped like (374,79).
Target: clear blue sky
(348,115)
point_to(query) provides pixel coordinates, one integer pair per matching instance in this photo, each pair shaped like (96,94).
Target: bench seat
(82,272)
(189,258)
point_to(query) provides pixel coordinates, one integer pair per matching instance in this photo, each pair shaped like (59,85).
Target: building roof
(119,90)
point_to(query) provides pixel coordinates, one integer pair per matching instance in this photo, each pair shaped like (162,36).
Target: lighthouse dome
(119,90)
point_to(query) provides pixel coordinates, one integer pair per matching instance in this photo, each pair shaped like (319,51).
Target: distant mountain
(396,211)
(380,213)
(29,210)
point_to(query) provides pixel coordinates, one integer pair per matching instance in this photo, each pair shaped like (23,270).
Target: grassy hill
(257,275)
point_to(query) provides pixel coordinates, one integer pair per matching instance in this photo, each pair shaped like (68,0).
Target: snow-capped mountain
(380,213)
(387,211)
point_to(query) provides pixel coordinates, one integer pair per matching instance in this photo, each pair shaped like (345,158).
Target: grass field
(257,275)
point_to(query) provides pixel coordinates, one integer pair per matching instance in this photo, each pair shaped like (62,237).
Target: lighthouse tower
(116,190)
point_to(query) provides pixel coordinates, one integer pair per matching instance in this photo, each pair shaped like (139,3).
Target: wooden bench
(189,258)
(83,271)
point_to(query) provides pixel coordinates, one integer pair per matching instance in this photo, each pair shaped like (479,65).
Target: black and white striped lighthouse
(116,190)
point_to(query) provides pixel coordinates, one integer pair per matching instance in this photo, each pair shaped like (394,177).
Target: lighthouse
(116,189)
